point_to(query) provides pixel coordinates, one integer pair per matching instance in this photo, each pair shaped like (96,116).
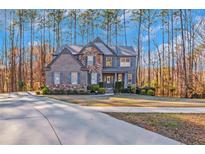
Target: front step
(109,90)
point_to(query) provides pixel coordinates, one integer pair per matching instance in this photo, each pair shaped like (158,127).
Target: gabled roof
(105,49)
(75,49)
(124,50)
(61,50)
(101,46)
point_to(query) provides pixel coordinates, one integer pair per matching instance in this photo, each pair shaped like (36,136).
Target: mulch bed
(186,128)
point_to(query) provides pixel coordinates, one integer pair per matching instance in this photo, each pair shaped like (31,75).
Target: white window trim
(90,60)
(73,75)
(93,78)
(56,78)
(125,62)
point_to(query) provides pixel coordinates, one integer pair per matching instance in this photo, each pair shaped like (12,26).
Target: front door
(108,81)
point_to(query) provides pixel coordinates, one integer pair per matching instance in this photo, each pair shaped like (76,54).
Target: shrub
(101,84)
(125,90)
(94,87)
(37,92)
(83,92)
(150,92)
(88,87)
(133,89)
(54,92)
(21,84)
(195,95)
(101,90)
(143,92)
(45,91)
(138,90)
(148,88)
(67,92)
(75,91)
(172,89)
(119,86)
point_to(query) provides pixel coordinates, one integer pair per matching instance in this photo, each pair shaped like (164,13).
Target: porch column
(125,80)
(115,77)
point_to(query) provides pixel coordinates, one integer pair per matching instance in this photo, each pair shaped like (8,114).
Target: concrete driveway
(148,109)
(26,119)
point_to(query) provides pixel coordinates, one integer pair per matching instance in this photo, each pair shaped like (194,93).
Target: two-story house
(96,62)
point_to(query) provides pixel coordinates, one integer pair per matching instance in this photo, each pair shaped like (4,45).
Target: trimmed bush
(55,92)
(125,90)
(94,87)
(119,86)
(83,92)
(143,92)
(45,91)
(37,92)
(75,91)
(138,90)
(101,90)
(195,95)
(148,88)
(61,91)
(150,92)
(101,84)
(88,87)
(67,92)
(133,89)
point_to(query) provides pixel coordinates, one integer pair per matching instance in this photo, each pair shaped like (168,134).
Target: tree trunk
(20,50)
(124,23)
(172,31)
(183,52)
(138,46)
(31,55)
(149,50)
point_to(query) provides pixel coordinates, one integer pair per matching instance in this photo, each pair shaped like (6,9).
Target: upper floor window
(108,61)
(125,62)
(74,77)
(90,60)
(56,77)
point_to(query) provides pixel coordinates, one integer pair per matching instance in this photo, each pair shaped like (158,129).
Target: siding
(116,67)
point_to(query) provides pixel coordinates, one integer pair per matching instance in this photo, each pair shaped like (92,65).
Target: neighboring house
(96,62)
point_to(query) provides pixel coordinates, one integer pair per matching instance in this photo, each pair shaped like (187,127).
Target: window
(129,77)
(119,77)
(74,77)
(56,77)
(125,62)
(108,61)
(90,60)
(93,78)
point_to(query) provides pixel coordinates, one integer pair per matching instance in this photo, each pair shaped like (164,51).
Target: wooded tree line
(169,45)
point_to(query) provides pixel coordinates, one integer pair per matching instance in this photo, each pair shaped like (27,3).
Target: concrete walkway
(149,109)
(28,119)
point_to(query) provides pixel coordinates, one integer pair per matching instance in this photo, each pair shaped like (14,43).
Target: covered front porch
(109,79)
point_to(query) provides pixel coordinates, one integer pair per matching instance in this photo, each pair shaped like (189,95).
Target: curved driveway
(26,119)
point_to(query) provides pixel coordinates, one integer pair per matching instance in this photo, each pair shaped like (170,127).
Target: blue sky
(131,32)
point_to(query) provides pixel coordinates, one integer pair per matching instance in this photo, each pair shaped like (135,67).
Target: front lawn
(186,128)
(126,101)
